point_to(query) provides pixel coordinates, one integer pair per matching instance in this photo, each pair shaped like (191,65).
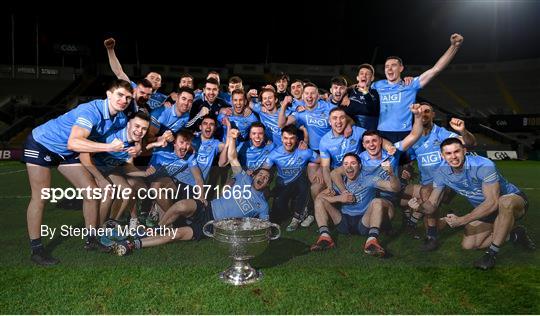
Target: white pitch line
(10,172)
(15,197)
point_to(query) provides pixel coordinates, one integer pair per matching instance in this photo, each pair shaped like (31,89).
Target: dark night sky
(338,32)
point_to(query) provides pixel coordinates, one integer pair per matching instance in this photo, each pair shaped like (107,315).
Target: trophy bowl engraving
(242,239)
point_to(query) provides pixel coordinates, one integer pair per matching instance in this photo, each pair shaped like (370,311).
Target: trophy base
(240,273)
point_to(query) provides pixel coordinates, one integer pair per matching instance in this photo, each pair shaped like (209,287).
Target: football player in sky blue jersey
(111,167)
(235,83)
(241,116)
(156,99)
(269,114)
(173,118)
(297,90)
(208,148)
(355,210)
(185,80)
(252,153)
(375,154)
(427,153)
(334,144)
(497,203)
(395,121)
(252,203)
(314,118)
(177,169)
(57,143)
(292,186)
(142,90)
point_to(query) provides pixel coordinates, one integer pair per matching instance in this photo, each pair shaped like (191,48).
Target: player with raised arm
(395,120)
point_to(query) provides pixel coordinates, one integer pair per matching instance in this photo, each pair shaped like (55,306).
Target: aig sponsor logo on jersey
(391,98)
(245,206)
(273,128)
(431,158)
(202,159)
(317,121)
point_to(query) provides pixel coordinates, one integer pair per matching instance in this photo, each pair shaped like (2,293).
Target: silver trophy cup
(242,239)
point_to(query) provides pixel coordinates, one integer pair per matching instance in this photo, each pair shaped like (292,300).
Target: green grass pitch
(182,277)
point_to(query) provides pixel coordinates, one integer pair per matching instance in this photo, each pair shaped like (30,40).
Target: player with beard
(156,99)
(209,103)
(427,153)
(176,169)
(338,90)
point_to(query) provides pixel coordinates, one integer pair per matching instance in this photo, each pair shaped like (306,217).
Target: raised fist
(456,40)
(286,101)
(109,43)
(415,109)
(204,111)
(252,93)
(234,133)
(457,124)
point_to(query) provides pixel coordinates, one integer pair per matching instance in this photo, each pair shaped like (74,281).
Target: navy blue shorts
(202,215)
(37,154)
(394,137)
(352,225)
(107,170)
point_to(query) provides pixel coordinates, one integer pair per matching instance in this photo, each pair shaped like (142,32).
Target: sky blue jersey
(251,203)
(427,152)
(468,183)
(395,99)
(290,165)
(315,121)
(93,116)
(335,147)
(251,157)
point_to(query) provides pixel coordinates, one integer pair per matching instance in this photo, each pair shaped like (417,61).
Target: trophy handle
(207,233)
(276,226)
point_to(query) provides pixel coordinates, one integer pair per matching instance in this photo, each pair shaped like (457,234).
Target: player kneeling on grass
(497,203)
(110,168)
(355,210)
(196,213)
